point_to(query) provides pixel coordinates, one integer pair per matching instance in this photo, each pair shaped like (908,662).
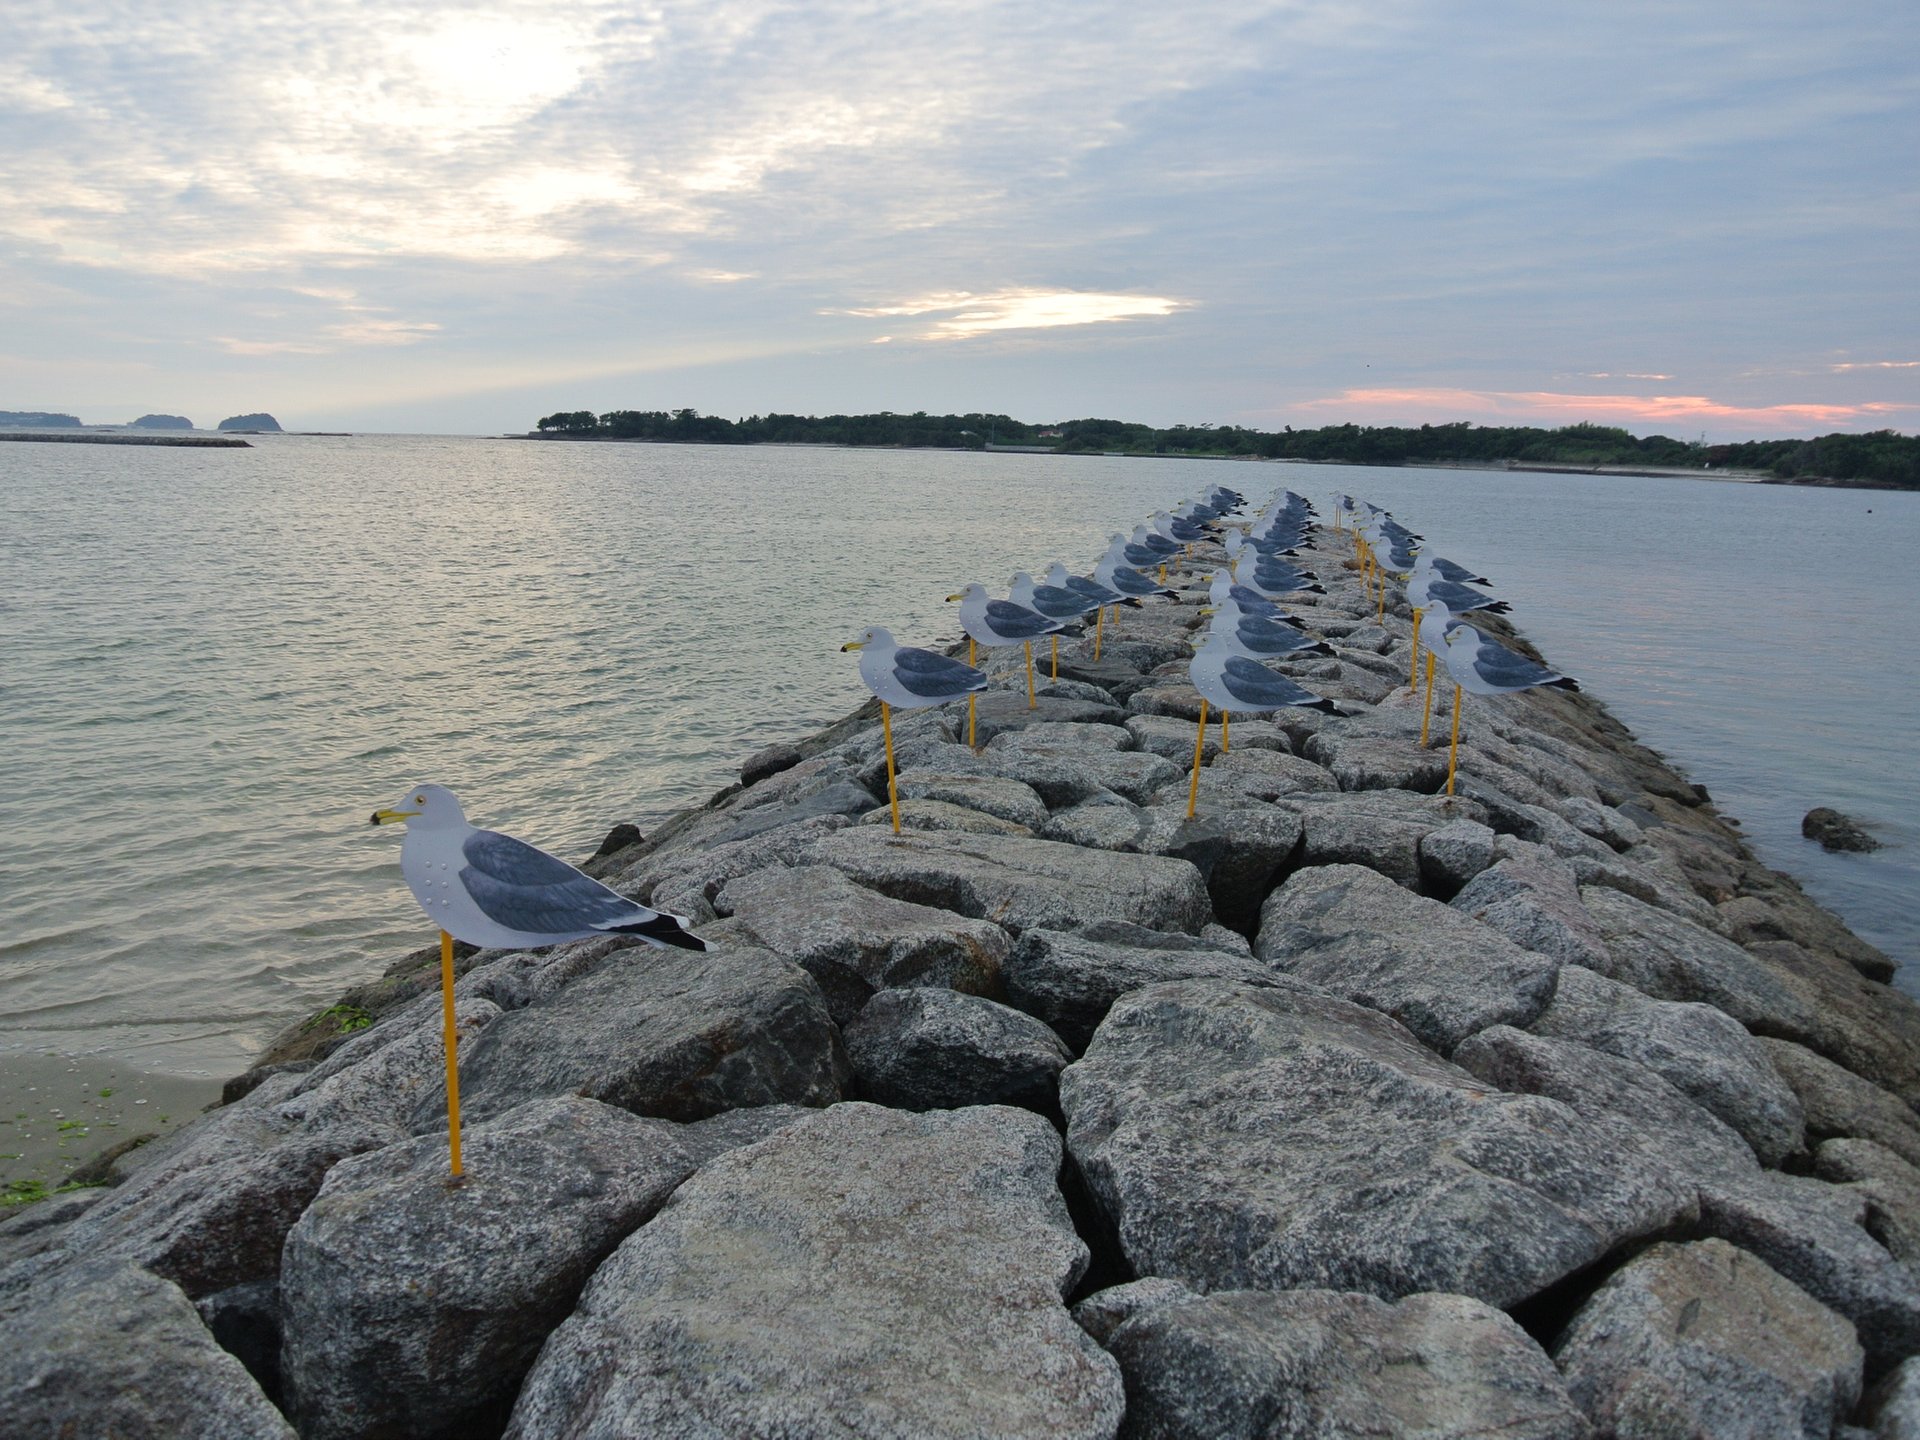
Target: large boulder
(1534,901)
(1239,852)
(671,1033)
(1241,1137)
(1377,761)
(1381,829)
(854,941)
(1354,932)
(1245,1365)
(1071,979)
(929,1049)
(1889,1185)
(1838,1102)
(415,1307)
(994,795)
(866,1272)
(106,1348)
(1706,1054)
(1704,1339)
(1021,884)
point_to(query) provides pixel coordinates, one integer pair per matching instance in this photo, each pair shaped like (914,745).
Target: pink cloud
(1384,406)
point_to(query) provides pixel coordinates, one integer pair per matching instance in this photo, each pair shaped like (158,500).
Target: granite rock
(865,1272)
(1071,979)
(670,1033)
(1021,884)
(1240,1137)
(1245,1365)
(414,1307)
(927,1049)
(854,941)
(1703,1339)
(1705,1054)
(1355,933)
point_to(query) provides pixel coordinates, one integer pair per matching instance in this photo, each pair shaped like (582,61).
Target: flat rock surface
(1247,1138)
(1021,884)
(926,1049)
(854,941)
(671,1033)
(1837,1102)
(390,1260)
(1355,933)
(867,1272)
(1244,1365)
(1706,1340)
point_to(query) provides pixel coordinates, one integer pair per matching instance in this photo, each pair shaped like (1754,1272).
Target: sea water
(217,663)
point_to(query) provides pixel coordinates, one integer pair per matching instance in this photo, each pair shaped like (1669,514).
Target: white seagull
(491,890)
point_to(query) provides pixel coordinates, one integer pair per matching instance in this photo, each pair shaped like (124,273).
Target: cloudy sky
(1678,216)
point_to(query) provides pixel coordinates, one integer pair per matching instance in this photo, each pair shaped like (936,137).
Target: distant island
(1880,458)
(261,421)
(161,422)
(38,420)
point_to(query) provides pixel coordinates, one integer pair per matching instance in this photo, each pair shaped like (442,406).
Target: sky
(1689,218)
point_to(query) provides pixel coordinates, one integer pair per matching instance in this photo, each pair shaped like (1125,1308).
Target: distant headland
(1880,459)
(257,423)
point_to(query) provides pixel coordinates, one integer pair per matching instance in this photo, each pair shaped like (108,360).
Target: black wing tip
(663,929)
(1132,602)
(1323,705)
(1565,682)
(1498,607)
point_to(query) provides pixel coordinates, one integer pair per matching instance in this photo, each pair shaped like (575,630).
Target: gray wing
(1498,665)
(1092,589)
(522,888)
(1016,622)
(1273,639)
(1459,599)
(1459,574)
(1132,582)
(1254,684)
(1252,601)
(921,672)
(1059,603)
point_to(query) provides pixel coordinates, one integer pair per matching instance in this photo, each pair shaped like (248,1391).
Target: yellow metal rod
(893,791)
(1056,659)
(453,1048)
(1199,744)
(1226,740)
(1426,706)
(1099,624)
(1032,704)
(1413,665)
(1453,752)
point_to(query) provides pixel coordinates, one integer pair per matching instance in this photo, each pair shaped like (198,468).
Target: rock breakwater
(1344,1108)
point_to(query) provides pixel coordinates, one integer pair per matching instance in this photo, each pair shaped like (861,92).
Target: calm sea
(218,662)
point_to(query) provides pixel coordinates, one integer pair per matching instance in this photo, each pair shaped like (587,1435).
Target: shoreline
(1550,954)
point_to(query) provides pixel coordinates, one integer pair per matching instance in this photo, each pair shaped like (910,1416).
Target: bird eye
(419,799)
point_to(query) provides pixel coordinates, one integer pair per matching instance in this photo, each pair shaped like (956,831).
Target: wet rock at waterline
(1834,831)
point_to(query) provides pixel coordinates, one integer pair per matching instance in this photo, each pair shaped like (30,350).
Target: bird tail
(1565,682)
(662,929)
(1498,607)
(1132,602)
(1323,704)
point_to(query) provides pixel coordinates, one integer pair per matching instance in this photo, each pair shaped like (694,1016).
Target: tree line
(1881,456)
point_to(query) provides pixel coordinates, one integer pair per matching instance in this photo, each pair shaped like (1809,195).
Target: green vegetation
(1882,457)
(25,1192)
(344,1018)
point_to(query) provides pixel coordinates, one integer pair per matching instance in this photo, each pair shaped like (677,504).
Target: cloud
(1414,406)
(1875,365)
(966,316)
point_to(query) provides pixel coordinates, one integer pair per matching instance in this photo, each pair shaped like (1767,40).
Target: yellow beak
(956,597)
(853,645)
(388,817)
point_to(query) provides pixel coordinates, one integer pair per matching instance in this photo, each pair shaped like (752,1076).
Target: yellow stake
(1226,740)
(1056,659)
(453,1058)
(1032,704)
(1381,618)
(1199,744)
(1453,754)
(1413,665)
(1163,572)
(972,700)
(893,791)
(1099,624)
(1426,706)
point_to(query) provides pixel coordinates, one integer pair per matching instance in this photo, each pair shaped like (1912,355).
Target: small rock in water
(618,839)
(1835,831)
